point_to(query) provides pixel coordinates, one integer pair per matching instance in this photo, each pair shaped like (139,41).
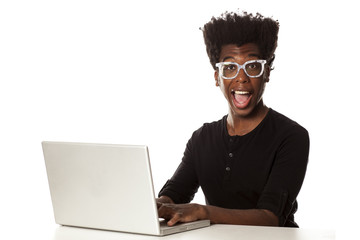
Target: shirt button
(227,169)
(231,155)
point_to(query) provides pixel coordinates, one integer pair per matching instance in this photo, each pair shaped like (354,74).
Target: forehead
(246,51)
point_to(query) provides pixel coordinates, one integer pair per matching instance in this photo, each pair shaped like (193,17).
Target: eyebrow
(249,55)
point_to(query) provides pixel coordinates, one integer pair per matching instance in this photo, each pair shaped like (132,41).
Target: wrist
(164,199)
(203,212)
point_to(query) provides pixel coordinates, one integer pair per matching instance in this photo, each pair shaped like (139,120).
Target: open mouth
(241,98)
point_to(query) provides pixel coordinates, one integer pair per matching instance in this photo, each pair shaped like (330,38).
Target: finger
(161,211)
(176,218)
(165,212)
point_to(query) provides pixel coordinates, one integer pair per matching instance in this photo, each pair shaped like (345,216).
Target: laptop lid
(105,186)
(102,186)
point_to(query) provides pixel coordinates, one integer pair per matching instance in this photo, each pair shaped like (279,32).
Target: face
(243,93)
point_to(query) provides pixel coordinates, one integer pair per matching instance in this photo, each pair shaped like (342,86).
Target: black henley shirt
(263,169)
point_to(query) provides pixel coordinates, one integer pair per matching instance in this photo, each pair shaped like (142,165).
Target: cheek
(261,90)
(222,85)
(223,88)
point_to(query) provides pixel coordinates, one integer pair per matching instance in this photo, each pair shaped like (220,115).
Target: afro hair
(239,29)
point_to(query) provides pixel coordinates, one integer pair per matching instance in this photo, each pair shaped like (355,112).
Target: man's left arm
(175,213)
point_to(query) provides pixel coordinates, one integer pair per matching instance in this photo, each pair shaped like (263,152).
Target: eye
(252,65)
(230,67)
(253,68)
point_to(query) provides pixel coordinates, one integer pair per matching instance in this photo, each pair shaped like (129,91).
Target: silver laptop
(105,186)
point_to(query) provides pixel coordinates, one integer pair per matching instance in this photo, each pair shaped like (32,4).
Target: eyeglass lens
(252,69)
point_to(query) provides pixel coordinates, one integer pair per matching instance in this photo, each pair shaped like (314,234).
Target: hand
(174,213)
(163,199)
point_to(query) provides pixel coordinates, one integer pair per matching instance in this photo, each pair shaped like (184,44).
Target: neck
(242,125)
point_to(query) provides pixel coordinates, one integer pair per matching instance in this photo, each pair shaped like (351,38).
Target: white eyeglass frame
(220,66)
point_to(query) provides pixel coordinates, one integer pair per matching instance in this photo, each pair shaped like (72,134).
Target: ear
(216,76)
(267,73)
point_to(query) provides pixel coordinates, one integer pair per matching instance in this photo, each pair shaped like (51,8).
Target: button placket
(228,165)
(229,158)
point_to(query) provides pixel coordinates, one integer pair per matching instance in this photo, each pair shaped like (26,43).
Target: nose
(242,77)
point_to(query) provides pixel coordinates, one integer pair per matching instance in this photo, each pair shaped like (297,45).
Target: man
(251,163)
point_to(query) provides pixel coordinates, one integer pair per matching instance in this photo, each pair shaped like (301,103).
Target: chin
(248,111)
(243,113)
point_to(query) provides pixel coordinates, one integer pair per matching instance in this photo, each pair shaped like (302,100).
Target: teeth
(241,92)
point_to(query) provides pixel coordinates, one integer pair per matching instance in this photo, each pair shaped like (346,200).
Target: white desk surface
(217,231)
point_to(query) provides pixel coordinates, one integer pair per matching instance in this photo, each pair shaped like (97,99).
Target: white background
(136,72)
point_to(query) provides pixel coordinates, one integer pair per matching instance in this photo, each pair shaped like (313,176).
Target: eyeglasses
(252,68)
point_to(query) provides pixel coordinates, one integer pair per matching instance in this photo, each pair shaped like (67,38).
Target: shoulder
(210,130)
(207,135)
(283,126)
(211,127)
(281,122)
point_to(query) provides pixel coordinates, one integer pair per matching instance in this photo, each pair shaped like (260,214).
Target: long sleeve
(183,185)
(286,176)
